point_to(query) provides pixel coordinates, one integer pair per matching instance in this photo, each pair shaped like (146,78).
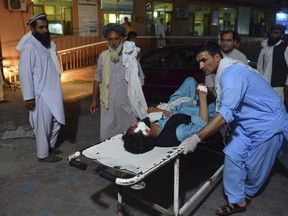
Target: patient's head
(137,138)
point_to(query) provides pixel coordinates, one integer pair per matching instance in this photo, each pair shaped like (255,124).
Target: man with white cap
(118,79)
(39,73)
(273,60)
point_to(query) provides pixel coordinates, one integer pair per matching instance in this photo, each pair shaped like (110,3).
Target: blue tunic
(256,114)
(260,124)
(187,89)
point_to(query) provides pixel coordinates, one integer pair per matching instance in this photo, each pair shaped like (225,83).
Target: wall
(12,28)
(13,24)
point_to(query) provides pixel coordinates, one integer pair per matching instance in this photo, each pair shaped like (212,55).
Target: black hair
(131,35)
(278,27)
(234,34)
(138,143)
(211,47)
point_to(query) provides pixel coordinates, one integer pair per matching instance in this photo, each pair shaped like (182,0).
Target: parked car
(166,68)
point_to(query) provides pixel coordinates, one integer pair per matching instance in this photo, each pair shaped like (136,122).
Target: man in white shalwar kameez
(260,126)
(160,32)
(39,73)
(118,79)
(273,60)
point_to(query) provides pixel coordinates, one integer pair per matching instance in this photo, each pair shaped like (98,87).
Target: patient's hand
(155,109)
(202,91)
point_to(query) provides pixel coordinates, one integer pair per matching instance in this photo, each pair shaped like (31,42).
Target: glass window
(282,19)
(59,15)
(198,20)
(258,24)
(227,19)
(154,12)
(110,18)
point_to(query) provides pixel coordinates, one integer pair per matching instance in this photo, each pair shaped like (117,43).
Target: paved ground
(30,188)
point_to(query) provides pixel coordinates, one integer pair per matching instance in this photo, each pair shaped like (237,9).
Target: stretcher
(130,169)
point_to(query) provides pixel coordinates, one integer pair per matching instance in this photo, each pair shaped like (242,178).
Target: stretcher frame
(172,154)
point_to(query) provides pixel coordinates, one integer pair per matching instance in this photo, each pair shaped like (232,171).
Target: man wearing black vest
(273,60)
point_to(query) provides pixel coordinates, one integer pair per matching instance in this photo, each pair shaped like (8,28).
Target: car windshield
(182,58)
(185,59)
(157,60)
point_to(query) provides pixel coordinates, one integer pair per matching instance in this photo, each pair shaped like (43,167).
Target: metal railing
(87,55)
(82,56)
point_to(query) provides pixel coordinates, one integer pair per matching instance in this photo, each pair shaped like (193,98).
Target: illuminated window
(282,19)
(59,15)
(227,19)
(198,21)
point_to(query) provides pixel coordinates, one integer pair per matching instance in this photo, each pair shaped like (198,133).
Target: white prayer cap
(36,17)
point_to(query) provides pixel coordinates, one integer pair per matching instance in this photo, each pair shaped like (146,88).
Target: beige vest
(104,85)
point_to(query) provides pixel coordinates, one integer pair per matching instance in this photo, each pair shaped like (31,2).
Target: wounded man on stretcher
(170,123)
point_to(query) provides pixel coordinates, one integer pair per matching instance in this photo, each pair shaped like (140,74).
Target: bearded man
(273,60)
(119,83)
(39,73)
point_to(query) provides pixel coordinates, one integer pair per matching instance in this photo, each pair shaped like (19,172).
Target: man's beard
(272,42)
(114,53)
(44,38)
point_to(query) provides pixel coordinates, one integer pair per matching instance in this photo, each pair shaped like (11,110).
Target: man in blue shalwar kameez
(260,126)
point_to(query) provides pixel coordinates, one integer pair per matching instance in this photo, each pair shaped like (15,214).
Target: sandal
(50,159)
(229,209)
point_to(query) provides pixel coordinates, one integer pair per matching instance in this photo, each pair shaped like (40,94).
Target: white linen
(40,77)
(170,106)
(135,92)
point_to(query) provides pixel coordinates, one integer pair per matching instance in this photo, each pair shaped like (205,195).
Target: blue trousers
(247,176)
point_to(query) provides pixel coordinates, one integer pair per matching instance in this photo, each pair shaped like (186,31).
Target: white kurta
(237,55)
(265,62)
(135,92)
(118,117)
(40,79)
(160,31)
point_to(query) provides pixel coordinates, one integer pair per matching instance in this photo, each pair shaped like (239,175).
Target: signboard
(117,5)
(88,18)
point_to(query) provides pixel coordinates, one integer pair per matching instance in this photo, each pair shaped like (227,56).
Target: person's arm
(203,105)
(155,109)
(26,71)
(93,105)
(212,127)
(244,59)
(190,143)
(97,80)
(197,122)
